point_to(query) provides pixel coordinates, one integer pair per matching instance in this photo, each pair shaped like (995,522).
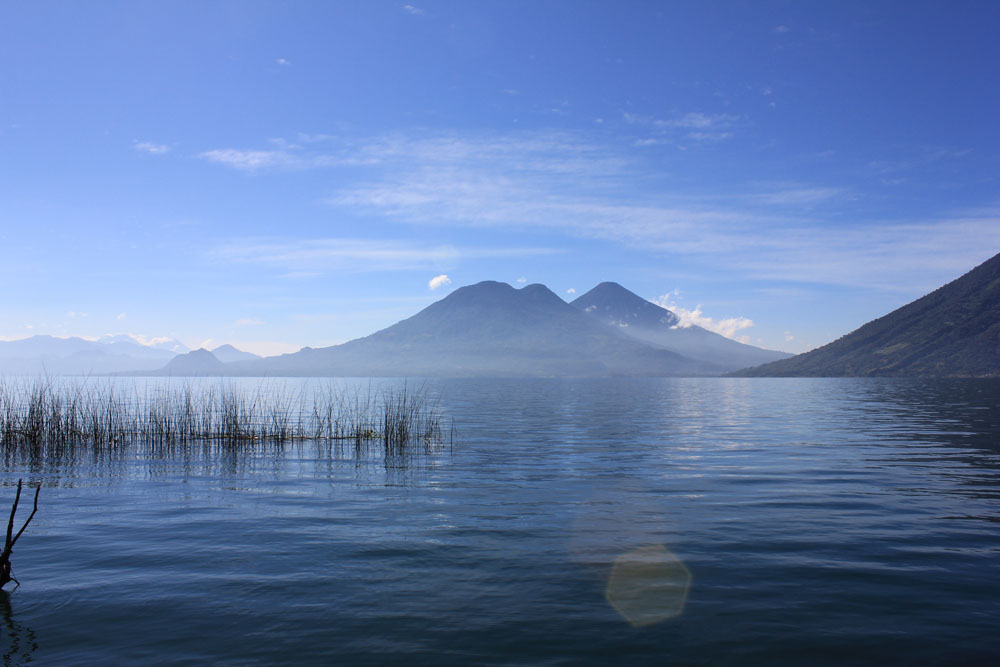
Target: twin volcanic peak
(491,329)
(488,330)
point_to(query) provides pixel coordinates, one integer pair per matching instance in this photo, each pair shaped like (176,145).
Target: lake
(621,521)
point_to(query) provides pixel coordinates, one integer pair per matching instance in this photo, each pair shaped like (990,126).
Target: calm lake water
(677,521)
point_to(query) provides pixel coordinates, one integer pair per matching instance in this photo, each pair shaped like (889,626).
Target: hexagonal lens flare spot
(648,585)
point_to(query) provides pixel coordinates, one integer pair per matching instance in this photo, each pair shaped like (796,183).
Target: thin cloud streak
(700,127)
(150,147)
(799,196)
(570,183)
(315,257)
(773,235)
(249,160)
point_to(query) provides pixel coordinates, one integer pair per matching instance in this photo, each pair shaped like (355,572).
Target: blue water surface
(626,521)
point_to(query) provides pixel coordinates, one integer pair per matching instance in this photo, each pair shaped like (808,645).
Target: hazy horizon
(274,176)
(686,319)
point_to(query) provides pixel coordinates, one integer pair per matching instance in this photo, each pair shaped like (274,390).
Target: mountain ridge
(954,331)
(653,324)
(488,329)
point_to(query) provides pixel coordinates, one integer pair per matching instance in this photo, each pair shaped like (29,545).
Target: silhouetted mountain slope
(487,329)
(952,332)
(616,306)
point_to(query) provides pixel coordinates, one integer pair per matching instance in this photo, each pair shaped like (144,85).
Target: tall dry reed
(54,415)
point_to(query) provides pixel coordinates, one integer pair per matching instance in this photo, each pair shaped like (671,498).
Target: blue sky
(283,174)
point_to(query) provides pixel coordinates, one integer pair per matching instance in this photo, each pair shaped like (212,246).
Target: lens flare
(648,585)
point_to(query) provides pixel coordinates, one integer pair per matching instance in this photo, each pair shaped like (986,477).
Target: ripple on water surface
(706,521)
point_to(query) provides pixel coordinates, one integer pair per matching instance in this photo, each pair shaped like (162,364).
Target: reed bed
(50,417)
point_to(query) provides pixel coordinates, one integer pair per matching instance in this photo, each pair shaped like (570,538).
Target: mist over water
(700,521)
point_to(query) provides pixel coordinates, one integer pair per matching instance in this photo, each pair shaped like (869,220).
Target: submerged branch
(5,570)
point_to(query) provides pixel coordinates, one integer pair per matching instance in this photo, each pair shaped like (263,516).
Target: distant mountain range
(494,330)
(41,355)
(952,332)
(491,329)
(76,356)
(166,344)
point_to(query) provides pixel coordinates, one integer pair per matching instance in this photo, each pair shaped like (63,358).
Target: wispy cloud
(902,257)
(284,62)
(287,155)
(776,234)
(249,160)
(694,125)
(529,185)
(799,196)
(709,136)
(569,183)
(698,121)
(927,156)
(552,152)
(150,147)
(649,141)
(315,257)
(410,9)
(439,281)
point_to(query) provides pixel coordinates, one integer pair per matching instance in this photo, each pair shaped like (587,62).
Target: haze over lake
(821,521)
(500,332)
